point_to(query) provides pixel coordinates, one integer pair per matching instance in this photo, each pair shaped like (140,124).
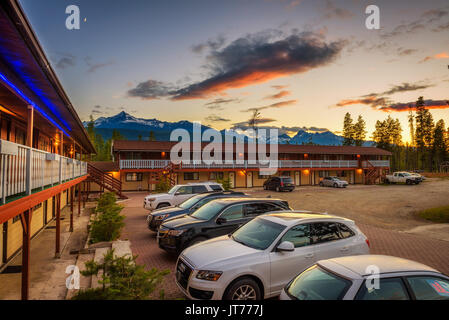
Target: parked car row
(234,247)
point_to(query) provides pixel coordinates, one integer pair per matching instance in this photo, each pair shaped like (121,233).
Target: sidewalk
(47,274)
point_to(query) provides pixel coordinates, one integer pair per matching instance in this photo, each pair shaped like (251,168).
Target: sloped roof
(105,166)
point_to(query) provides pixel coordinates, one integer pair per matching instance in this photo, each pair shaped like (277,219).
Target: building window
(263,175)
(285,173)
(342,173)
(323,174)
(134,176)
(216,175)
(191,176)
(20,136)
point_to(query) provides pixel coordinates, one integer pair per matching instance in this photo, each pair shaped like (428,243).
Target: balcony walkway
(292,164)
(26,171)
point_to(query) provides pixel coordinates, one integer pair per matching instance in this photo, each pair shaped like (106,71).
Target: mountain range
(132,127)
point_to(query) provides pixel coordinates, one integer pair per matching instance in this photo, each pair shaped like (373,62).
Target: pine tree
(359,130)
(439,147)
(424,134)
(348,130)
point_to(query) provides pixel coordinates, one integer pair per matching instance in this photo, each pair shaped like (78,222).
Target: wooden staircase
(372,173)
(104,180)
(169,173)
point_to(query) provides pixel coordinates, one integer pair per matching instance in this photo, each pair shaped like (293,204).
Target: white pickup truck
(402,177)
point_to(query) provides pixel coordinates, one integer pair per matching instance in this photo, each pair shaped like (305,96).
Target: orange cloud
(442,55)
(206,89)
(430,104)
(279,95)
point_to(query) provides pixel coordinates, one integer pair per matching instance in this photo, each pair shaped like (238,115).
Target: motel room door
(297,178)
(231,179)
(249,179)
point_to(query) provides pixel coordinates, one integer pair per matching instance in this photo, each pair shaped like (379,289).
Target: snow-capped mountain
(133,128)
(321,138)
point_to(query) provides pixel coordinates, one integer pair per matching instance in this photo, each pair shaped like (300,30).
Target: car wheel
(243,289)
(197,240)
(387,181)
(321,184)
(290,190)
(162,205)
(408,182)
(335,185)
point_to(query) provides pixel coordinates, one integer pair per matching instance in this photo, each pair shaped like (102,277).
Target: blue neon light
(10,84)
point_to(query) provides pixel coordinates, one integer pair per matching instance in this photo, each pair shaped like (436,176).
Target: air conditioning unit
(9,148)
(51,156)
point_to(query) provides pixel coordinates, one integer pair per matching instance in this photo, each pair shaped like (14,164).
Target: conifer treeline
(429,146)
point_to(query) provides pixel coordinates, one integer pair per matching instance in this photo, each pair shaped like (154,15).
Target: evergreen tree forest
(427,150)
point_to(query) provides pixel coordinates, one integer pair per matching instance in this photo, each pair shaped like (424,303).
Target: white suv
(261,257)
(178,194)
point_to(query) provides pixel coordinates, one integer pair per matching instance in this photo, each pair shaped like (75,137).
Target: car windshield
(190,202)
(172,190)
(406,174)
(258,233)
(318,284)
(208,211)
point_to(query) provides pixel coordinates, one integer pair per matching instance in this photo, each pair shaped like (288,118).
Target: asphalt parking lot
(384,231)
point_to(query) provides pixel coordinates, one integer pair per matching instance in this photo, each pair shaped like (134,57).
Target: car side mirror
(286,246)
(221,220)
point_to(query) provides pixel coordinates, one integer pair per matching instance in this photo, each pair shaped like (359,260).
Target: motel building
(42,142)
(139,165)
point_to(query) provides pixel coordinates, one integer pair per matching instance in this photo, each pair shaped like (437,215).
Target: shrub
(106,199)
(108,224)
(163,185)
(122,279)
(226,183)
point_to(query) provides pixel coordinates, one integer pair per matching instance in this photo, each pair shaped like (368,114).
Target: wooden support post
(30,126)
(61,146)
(58,226)
(84,194)
(71,209)
(26,246)
(79,199)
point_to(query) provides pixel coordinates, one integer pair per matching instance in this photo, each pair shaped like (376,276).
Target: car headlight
(175,233)
(161,217)
(151,199)
(209,275)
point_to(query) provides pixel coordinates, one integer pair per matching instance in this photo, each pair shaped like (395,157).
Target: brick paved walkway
(434,253)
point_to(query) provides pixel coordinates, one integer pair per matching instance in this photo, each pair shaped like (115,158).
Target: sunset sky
(302,63)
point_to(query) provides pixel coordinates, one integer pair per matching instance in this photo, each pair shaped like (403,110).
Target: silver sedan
(333,182)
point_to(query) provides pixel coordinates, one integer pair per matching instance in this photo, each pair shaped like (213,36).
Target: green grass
(439,214)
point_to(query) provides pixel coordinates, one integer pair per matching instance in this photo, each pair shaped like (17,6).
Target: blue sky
(303,64)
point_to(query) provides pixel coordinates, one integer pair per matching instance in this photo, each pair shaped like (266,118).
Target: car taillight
(367,242)
(282,184)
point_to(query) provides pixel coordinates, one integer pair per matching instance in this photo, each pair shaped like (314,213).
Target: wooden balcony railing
(24,170)
(160,164)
